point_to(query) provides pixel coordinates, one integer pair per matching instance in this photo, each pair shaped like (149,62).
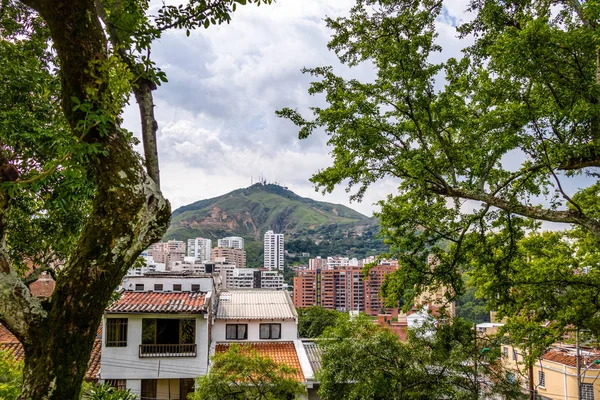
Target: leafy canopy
(362,360)
(485,146)
(313,321)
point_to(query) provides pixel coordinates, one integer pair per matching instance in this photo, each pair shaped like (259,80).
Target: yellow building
(555,373)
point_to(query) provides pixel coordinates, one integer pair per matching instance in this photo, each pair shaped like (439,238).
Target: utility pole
(578,364)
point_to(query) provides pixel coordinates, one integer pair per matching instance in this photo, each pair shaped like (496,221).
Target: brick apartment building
(231,255)
(167,252)
(342,289)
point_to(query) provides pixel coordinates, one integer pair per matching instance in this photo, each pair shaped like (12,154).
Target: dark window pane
(195,288)
(139,287)
(188,331)
(116,332)
(158,287)
(231,332)
(148,331)
(149,389)
(265,331)
(177,288)
(275,331)
(242,332)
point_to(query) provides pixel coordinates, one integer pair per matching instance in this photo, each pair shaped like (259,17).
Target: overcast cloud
(217,125)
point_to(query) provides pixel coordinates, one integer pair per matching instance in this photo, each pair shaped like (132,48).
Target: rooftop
(280,352)
(159,302)
(255,304)
(314,354)
(568,357)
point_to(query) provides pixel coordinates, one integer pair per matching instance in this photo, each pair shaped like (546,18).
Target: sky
(217,125)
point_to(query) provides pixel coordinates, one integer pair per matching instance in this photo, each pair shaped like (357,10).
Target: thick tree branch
(567,217)
(145,100)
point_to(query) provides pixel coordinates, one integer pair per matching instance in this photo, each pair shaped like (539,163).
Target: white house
(156,336)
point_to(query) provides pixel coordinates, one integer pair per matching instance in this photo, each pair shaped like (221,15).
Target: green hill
(309,225)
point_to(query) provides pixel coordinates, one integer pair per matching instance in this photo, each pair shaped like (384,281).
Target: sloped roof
(256,304)
(569,358)
(280,352)
(314,354)
(159,302)
(6,336)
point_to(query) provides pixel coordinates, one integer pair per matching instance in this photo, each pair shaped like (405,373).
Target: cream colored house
(555,373)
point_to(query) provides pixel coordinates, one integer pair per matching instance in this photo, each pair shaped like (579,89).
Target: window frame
(158,287)
(270,335)
(515,357)
(237,330)
(589,390)
(119,384)
(541,379)
(120,326)
(195,287)
(139,287)
(177,287)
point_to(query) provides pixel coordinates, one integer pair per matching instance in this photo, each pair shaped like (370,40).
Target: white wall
(289,329)
(206,283)
(125,363)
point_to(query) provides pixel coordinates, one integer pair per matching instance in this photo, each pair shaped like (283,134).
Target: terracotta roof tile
(568,358)
(159,302)
(14,350)
(280,352)
(6,336)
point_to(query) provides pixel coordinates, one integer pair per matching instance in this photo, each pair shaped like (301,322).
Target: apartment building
(233,242)
(199,249)
(231,255)
(273,251)
(342,289)
(167,252)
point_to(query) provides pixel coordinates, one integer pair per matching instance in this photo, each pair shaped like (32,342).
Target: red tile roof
(159,302)
(6,336)
(569,358)
(280,352)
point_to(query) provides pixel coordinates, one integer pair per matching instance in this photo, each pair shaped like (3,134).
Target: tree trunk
(128,214)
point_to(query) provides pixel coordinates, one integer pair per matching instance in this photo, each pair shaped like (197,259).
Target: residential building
(338,262)
(156,338)
(231,255)
(555,372)
(199,249)
(253,278)
(273,251)
(341,288)
(167,252)
(233,242)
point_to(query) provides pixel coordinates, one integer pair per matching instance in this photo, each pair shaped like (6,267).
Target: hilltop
(309,225)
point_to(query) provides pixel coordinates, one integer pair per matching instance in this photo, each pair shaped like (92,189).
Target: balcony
(167,350)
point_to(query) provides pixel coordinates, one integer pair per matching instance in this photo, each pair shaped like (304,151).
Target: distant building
(200,249)
(167,252)
(233,242)
(273,250)
(341,289)
(232,255)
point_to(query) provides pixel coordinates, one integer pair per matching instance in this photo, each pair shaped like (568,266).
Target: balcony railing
(167,350)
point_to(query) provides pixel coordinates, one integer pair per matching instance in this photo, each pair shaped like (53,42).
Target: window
(510,377)
(515,355)
(505,352)
(168,331)
(236,331)
(158,287)
(177,288)
(195,288)
(139,287)
(149,389)
(119,384)
(270,331)
(116,332)
(587,391)
(541,379)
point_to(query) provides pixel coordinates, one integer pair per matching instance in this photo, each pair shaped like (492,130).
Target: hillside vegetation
(319,228)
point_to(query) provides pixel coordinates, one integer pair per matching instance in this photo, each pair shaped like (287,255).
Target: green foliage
(10,376)
(471,308)
(313,321)
(482,146)
(242,373)
(362,360)
(96,391)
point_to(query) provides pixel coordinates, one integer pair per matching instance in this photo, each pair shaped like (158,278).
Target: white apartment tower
(232,242)
(273,247)
(200,249)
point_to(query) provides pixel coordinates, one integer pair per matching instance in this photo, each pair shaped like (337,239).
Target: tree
(10,376)
(313,321)
(72,189)
(362,360)
(98,391)
(243,373)
(483,146)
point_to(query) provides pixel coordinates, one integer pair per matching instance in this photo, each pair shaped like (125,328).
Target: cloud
(217,127)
